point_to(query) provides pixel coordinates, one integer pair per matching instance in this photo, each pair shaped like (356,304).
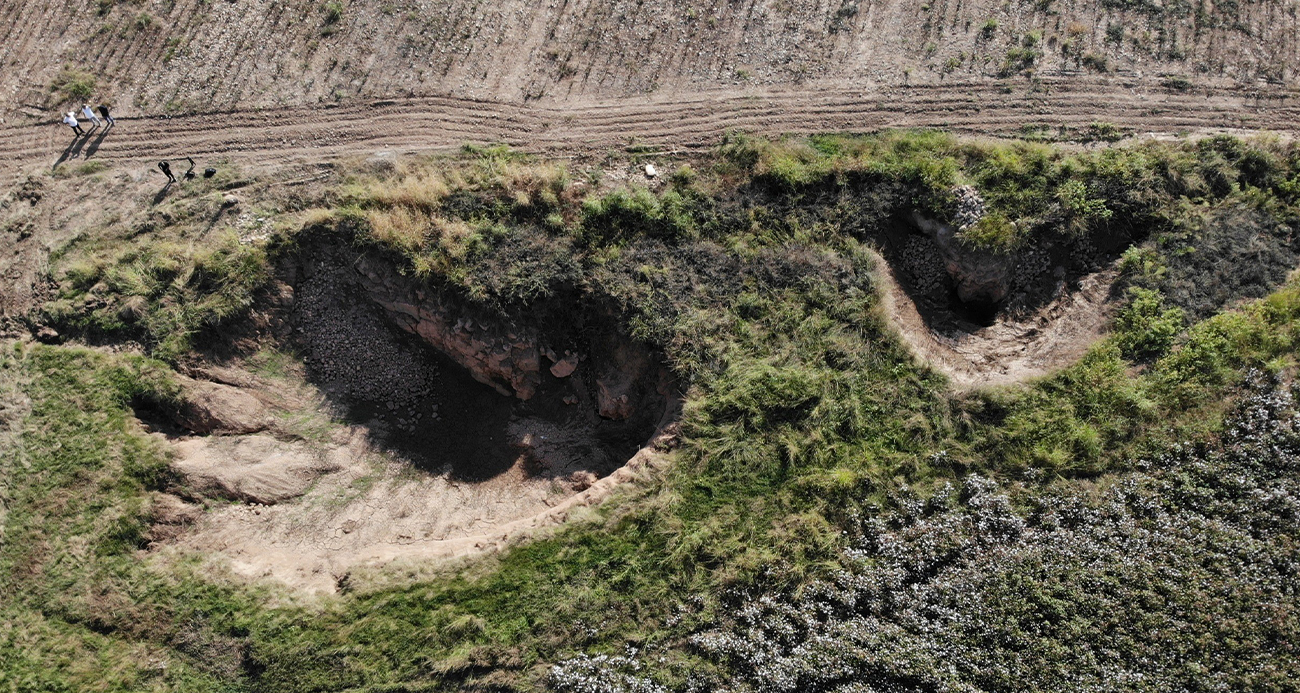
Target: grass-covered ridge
(80,611)
(807,424)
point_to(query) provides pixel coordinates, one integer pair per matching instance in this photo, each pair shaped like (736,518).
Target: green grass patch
(73,85)
(81,608)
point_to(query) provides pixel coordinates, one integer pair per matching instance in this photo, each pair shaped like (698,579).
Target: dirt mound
(254,468)
(209,407)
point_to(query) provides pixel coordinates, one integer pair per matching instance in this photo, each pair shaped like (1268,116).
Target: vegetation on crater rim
(806,420)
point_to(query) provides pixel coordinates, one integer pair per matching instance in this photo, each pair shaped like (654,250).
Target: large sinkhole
(958,289)
(468,393)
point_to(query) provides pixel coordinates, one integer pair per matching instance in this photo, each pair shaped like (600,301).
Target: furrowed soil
(270,83)
(278,137)
(176,56)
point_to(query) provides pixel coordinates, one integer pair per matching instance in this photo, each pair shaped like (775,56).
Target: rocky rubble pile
(923,266)
(1030,265)
(351,349)
(969,207)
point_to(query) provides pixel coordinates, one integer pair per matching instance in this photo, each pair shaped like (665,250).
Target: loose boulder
(207,408)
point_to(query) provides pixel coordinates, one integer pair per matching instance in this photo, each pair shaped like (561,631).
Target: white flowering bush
(603,674)
(1181,575)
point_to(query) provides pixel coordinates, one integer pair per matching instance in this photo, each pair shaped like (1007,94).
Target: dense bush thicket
(1178,576)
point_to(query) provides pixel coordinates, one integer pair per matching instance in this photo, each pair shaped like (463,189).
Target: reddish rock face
(505,357)
(508,356)
(565,367)
(619,372)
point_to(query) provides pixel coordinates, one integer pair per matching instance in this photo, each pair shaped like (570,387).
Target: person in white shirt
(90,115)
(71,121)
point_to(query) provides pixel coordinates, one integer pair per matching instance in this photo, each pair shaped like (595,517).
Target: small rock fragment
(565,366)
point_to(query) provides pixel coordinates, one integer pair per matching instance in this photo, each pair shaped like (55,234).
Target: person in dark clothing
(103,110)
(189,175)
(166,168)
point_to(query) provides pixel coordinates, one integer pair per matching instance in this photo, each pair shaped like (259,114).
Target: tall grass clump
(160,292)
(73,85)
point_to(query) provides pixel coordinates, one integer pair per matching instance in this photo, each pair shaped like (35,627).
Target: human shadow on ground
(94,146)
(74,148)
(162,194)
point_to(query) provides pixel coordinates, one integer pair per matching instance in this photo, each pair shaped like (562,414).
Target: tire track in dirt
(685,121)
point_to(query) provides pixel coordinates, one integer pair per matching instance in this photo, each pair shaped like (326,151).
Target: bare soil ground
(369,510)
(317,499)
(278,137)
(151,57)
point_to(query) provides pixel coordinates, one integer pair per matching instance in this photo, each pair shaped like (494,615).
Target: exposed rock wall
(510,356)
(622,371)
(506,357)
(981,276)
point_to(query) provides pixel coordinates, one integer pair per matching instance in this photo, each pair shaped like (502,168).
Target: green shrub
(74,85)
(1144,328)
(805,415)
(1082,212)
(1096,63)
(1102,132)
(1019,59)
(1072,422)
(333,12)
(994,231)
(621,215)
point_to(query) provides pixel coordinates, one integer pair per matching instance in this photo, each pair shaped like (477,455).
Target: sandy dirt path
(689,121)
